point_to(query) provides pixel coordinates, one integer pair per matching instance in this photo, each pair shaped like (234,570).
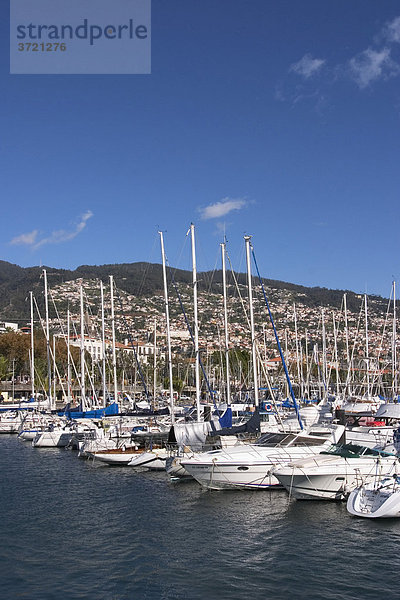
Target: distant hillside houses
(4,326)
(94,347)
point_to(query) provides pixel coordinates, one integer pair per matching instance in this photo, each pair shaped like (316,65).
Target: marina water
(72,529)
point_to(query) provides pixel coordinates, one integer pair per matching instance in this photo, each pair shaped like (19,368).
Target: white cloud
(392,30)
(25,238)
(307,66)
(220,209)
(371,65)
(56,237)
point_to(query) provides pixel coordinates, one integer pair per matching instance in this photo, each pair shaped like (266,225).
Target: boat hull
(373,503)
(153,460)
(328,478)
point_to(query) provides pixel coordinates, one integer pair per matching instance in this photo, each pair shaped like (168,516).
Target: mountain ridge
(142,279)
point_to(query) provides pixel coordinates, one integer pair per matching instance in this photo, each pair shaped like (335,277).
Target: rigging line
(62,331)
(377,374)
(350,367)
(146,391)
(96,330)
(51,353)
(263,366)
(90,340)
(296,408)
(211,392)
(147,269)
(179,259)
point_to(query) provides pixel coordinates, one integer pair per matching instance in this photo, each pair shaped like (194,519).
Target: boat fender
(346,489)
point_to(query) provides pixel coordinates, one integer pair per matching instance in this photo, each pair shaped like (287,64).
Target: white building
(4,326)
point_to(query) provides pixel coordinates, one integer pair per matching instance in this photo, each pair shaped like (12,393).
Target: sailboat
(377,499)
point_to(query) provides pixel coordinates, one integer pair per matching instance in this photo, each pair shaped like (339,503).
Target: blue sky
(274,118)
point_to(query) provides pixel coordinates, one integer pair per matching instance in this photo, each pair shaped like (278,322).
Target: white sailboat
(378,499)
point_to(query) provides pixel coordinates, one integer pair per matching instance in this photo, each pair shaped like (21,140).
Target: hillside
(145,279)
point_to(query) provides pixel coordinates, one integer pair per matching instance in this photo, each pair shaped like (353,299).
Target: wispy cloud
(310,78)
(307,66)
(222,208)
(392,30)
(371,65)
(56,237)
(25,238)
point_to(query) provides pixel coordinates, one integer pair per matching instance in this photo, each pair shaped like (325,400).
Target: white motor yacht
(333,473)
(250,465)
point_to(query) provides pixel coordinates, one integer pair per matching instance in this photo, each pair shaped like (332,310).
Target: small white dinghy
(377,499)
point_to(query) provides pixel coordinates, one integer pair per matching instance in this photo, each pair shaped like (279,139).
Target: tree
(4,368)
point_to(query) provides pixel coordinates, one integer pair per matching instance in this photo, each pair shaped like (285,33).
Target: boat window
(354,451)
(344,450)
(308,441)
(275,439)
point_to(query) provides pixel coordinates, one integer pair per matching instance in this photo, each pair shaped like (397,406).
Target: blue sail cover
(97,413)
(251,426)
(225,420)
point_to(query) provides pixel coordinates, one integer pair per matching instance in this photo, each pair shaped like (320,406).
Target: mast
(68,356)
(247,239)
(336,355)
(324,364)
(155,364)
(349,362)
(82,347)
(196,323)
(287,359)
(54,370)
(46,303)
(103,346)
(114,356)
(394,351)
(32,349)
(228,383)
(366,345)
(299,377)
(307,369)
(171,387)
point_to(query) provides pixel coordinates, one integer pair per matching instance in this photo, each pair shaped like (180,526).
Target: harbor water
(71,529)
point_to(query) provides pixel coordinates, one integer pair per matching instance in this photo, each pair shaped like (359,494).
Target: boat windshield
(354,451)
(275,439)
(288,439)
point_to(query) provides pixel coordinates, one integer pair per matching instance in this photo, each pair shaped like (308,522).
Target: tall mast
(366,344)
(54,370)
(349,362)
(46,303)
(394,351)
(346,328)
(247,239)
(336,355)
(299,377)
(114,356)
(103,345)
(228,383)
(324,363)
(83,387)
(171,386)
(307,369)
(196,323)
(32,350)
(68,356)
(155,364)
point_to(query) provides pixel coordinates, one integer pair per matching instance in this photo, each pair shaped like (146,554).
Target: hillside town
(323,346)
